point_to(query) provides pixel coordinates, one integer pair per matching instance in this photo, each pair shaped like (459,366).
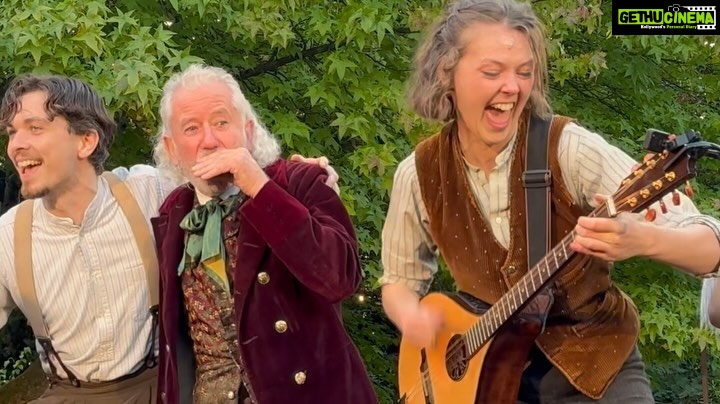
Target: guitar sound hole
(456,358)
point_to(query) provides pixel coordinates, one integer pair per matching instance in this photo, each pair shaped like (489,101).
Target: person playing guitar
(482,71)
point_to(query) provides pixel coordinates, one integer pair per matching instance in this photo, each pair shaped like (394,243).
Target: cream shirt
(90,280)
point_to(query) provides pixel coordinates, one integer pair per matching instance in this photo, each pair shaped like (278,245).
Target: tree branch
(278,63)
(305,54)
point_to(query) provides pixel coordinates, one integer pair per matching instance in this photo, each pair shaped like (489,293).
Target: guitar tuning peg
(663,208)
(688,190)
(675,198)
(650,215)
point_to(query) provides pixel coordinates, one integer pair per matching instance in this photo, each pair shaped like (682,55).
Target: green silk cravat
(203,241)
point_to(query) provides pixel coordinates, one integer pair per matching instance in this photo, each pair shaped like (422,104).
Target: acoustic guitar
(481,352)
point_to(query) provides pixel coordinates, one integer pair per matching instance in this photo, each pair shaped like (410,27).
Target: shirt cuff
(419,286)
(714,225)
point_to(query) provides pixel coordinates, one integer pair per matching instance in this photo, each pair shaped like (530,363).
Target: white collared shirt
(89,279)
(230,191)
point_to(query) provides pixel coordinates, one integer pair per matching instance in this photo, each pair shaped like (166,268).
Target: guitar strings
(528,278)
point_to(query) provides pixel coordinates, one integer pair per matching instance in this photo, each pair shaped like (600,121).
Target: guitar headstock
(658,175)
(655,178)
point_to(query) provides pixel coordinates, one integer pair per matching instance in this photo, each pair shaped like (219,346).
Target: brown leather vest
(592,326)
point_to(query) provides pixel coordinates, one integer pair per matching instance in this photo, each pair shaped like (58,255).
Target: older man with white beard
(256,254)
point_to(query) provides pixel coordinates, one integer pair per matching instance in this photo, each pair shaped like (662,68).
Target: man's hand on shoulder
(323,162)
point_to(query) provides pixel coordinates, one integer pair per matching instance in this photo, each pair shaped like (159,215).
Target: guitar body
(441,376)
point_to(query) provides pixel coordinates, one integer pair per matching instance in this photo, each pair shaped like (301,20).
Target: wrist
(409,313)
(649,237)
(257,186)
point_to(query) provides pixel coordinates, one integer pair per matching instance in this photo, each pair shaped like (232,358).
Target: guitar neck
(520,294)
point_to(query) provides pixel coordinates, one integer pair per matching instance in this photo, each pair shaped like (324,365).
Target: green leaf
(339,65)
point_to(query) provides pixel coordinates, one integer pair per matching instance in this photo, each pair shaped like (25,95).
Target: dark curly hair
(74,100)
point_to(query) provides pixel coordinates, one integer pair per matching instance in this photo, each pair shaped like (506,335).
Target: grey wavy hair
(265,149)
(431,89)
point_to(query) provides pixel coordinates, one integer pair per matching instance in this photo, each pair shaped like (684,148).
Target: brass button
(510,269)
(231,395)
(300,377)
(263,278)
(280,326)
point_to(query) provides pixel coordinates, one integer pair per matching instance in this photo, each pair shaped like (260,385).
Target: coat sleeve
(309,230)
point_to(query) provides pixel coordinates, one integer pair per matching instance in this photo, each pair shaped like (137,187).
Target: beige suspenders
(142,232)
(23,267)
(26,280)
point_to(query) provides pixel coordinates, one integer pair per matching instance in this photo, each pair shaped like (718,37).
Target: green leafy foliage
(328,77)
(12,368)
(15,352)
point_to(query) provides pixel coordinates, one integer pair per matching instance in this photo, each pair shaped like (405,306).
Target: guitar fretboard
(520,293)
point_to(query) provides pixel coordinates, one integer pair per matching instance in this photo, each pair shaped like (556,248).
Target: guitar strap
(537,180)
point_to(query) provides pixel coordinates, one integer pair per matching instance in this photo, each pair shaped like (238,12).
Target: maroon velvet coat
(298,237)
